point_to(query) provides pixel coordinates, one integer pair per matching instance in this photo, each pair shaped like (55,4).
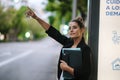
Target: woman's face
(75,31)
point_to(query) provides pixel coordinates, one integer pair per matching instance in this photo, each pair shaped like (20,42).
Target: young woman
(76,40)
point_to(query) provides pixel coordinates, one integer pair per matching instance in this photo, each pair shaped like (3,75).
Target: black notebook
(73,57)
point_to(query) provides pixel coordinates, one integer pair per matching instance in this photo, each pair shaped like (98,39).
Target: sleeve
(55,34)
(85,69)
(59,69)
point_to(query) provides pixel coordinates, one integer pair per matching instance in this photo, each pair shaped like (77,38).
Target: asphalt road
(29,60)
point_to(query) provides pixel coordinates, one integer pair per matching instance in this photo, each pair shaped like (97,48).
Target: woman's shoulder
(85,47)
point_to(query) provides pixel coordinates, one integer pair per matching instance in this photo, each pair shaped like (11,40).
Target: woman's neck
(76,42)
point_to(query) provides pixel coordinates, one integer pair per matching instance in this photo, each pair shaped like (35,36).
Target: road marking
(3,63)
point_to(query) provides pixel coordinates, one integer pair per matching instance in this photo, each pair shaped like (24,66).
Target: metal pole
(74,8)
(93,38)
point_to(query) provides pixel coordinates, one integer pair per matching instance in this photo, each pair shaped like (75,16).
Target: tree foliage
(6,20)
(14,25)
(61,11)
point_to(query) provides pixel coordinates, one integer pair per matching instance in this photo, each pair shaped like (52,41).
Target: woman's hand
(65,67)
(31,13)
(41,22)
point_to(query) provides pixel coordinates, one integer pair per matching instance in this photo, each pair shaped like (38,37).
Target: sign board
(109,40)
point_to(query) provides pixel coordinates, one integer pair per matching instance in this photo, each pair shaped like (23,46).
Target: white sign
(109,40)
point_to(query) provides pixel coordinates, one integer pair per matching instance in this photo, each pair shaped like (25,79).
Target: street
(33,60)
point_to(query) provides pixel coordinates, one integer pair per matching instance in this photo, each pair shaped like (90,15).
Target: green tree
(62,11)
(6,20)
(14,25)
(18,23)
(21,25)
(36,30)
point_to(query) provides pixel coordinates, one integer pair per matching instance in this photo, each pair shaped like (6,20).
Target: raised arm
(51,31)
(44,24)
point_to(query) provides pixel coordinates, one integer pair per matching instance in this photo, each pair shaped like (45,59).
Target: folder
(73,57)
